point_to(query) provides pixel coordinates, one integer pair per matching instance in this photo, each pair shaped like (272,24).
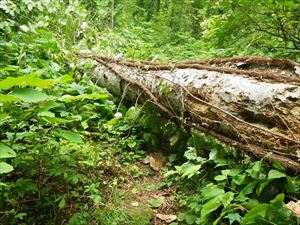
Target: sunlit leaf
(211,206)
(211,192)
(25,81)
(227,198)
(46,113)
(9,98)
(220,178)
(63,79)
(6,152)
(9,68)
(84,124)
(5,168)
(70,98)
(25,28)
(190,170)
(29,95)
(275,174)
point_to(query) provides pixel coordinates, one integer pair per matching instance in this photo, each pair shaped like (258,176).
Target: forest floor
(148,199)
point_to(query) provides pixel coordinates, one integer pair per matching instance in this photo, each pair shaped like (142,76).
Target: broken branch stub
(250,109)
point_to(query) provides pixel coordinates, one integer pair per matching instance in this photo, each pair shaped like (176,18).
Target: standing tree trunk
(252,103)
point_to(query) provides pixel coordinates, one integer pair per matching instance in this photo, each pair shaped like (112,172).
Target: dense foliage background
(66,145)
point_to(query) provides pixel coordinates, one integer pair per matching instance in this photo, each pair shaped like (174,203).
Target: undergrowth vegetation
(219,185)
(67,146)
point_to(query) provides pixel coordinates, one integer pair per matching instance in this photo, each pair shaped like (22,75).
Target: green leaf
(255,170)
(5,168)
(29,95)
(234,217)
(155,203)
(133,113)
(172,157)
(174,223)
(4,116)
(187,217)
(70,98)
(277,165)
(25,28)
(47,113)
(64,79)
(240,179)
(275,174)
(132,144)
(220,177)
(10,68)
(8,98)
(278,212)
(20,216)
(6,152)
(112,122)
(278,199)
(3,184)
(68,135)
(248,189)
(97,199)
(191,170)
(211,192)
(54,120)
(290,185)
(262,186)
(24,81)
(250,203)
(231,172)
(255,214)
(227,198)
(62,203)
(191,153)
(84,124)
(45,106)
(211,206)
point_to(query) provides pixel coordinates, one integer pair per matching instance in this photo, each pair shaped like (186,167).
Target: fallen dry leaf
(294,207)
(135,204)
(157,161)
(166,218)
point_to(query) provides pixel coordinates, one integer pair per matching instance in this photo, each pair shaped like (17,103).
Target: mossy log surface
(252,103)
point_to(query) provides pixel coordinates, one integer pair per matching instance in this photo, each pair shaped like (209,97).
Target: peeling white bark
(259,116)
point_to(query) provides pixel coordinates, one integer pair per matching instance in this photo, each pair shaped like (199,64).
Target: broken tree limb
(256,109)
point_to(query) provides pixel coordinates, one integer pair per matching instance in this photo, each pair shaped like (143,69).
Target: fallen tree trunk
(251,103)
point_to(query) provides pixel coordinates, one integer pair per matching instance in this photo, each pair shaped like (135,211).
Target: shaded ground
(147,200)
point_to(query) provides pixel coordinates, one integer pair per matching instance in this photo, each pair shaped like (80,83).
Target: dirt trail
(146,197)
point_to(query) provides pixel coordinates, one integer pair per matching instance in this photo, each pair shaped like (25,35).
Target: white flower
(84,25)
(118,115)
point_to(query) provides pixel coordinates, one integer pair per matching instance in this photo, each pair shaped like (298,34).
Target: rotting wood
(258,112)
